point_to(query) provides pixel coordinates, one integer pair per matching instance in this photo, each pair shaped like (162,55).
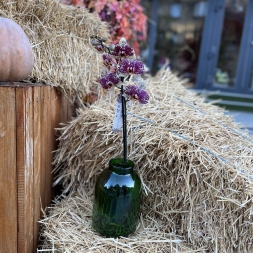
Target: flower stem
(123,100)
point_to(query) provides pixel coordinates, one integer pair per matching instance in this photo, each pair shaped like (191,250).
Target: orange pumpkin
(16,55)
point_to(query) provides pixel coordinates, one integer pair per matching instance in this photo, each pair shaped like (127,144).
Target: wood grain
(47,130)
(37,106)
(43,142)
(29,166)
(24,114)
(29,115)
(8,178)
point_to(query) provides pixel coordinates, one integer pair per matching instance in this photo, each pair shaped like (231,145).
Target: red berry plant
(123,71)
(125,18)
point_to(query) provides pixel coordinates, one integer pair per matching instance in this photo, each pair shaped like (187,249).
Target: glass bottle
(117,199)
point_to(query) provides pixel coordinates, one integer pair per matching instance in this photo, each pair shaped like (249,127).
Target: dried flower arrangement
(124,17)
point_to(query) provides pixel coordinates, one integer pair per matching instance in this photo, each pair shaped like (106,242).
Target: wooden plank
(48,151)
(43,133)
(56,119)
(55,105)
(56,115)
(67,110)
(29,166)
(8,179)
(37,105)
(20,121)
(64,108)
(24,121)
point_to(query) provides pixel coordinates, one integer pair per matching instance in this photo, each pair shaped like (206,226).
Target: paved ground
(244,118)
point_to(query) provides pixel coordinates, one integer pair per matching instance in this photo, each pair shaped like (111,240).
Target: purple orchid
(108,61)
(109,80)
(123,50)
(120,66)
(127,66)
(135,92)
(99,48)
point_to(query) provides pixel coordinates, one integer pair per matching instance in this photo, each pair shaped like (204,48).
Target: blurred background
(209,43)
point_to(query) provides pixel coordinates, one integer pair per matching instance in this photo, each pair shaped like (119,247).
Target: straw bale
(59,36)
(68,228)
(195,164)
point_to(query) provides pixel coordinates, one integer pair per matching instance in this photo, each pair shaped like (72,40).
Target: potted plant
(118,188)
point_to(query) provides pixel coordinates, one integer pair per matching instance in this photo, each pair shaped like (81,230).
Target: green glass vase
(117,199)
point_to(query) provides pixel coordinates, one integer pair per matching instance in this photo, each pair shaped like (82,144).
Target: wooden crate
(29,115)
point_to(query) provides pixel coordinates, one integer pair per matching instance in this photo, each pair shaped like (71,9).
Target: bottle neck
(118,166)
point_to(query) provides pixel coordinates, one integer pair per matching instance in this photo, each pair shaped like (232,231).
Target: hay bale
(59,35)
(68,228)
(194,162)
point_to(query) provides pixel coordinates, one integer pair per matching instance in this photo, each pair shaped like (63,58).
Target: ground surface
(244,118)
